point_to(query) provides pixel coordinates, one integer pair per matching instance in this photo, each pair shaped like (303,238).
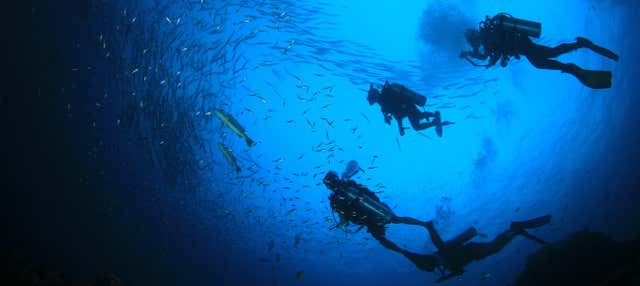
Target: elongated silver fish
(232,124)
(226,152)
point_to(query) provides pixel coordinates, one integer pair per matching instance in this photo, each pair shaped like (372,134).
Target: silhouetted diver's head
(331,180)
(373,95)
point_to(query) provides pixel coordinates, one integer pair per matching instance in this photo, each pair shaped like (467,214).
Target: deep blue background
(83,194)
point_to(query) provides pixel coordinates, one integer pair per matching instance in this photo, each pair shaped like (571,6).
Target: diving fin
(520,226)
(531,236)
(598,49)
(596,79)
(604,52)
(438,122)
(532,223)
(590,78)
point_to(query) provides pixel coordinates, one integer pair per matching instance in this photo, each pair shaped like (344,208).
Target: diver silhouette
(398,101)
(453,255)
(356,204)
(504,36)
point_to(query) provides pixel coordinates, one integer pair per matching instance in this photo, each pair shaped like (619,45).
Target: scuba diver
(453,255)
(398,101)
(356,204)
(504,36)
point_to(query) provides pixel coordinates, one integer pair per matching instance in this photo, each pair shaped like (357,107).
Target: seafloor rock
(19,271)
(107,279)
(585,258)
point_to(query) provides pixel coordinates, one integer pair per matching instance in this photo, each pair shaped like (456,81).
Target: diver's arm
(385,113)
(400,128)
(475,53)
(493,60)
(473,63)
(478,55)
(387,118)
(343,221)
(334,200)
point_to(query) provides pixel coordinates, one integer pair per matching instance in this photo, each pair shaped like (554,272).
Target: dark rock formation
(585,258)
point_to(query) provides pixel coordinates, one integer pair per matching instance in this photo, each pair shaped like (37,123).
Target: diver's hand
(463,54)
(503,61)
(387,119)
(401,131)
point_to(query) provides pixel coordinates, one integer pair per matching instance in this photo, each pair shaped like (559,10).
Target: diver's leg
(520,227)
(463,237)
(437,120)
(424,262)
(532,223)
(562,49)
(480,250)
(414,119)
(408,220)
(475,251)
(427,114)
(548,52)
(539,51)
(583,42)
(435,237)
(542,62)
(591,78)
(386,243)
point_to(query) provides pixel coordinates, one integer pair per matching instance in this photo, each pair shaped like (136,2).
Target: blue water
(171,211)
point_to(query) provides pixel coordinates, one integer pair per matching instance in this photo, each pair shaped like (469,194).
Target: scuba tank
(351,170)
(372,207)
(509,23)
(415,97)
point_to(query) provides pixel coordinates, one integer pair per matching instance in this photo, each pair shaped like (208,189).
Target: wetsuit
(353,211)
(399,106)
(500,44)
(504,44)
(453,255)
